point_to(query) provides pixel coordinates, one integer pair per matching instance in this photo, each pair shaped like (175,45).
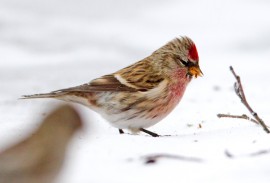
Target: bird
(40,156)
(142,94)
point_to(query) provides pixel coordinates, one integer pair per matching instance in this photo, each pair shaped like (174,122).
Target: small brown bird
(39,158)
(141,94)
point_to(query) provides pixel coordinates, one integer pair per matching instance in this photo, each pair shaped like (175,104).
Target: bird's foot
(121,131)
(149,132)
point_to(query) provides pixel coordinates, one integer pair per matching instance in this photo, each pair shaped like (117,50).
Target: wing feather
(105,83)
(138,77)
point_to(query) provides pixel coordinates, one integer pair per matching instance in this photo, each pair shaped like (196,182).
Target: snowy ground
(53,44)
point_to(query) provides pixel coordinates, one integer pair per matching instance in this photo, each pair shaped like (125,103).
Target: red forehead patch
(193,54)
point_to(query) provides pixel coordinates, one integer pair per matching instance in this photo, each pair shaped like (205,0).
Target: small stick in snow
(258,153)
(150,159)
(238,88)
(243,116)
(228,154)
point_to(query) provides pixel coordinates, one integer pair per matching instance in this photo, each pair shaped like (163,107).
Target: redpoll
(142,94)
(39,158)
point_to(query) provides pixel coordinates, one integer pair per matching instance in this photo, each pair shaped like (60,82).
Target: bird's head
(184,52)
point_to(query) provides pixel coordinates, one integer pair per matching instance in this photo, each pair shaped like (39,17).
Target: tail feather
(44,95)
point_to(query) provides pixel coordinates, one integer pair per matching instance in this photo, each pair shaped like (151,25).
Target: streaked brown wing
(105,83)
(142,75)
(137,77)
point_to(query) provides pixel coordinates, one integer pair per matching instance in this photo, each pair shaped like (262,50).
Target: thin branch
(254,154)
(228,154)
(261,152)
(243,116)
(150,159)
(240,93)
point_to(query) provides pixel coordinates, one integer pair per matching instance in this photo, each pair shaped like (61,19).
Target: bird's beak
(195,71)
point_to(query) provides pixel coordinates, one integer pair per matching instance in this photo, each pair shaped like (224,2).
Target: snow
(53,44)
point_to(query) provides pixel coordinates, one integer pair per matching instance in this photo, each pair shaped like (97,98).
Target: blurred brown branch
(40,157)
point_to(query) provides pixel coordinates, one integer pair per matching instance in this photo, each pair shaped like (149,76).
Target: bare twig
(258,153)
(154,158)
(228,154)
(240,93)
(243,116)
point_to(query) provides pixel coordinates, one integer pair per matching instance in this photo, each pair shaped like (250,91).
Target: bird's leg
(149,132)
(121,131)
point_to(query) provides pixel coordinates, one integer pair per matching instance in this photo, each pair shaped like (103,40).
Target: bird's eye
(184,63)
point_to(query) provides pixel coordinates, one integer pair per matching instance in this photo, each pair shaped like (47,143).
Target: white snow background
(52,44)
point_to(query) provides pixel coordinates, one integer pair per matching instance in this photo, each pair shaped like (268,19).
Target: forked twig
(238,88)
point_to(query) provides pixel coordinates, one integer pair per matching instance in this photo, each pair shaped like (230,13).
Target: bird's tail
(44,95)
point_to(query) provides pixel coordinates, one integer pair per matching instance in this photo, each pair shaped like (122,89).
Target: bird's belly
(134,111)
